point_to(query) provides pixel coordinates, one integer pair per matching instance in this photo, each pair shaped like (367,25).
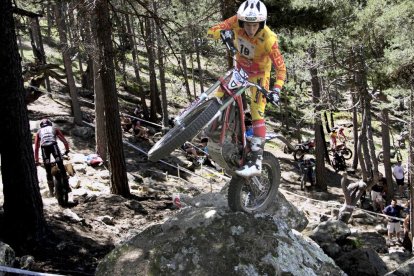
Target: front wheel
(191,124)
(302,181)
(347,153)
(248,196)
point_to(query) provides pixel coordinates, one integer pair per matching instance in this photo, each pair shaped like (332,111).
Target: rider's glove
(227,34)
(66,152)
(227,38)
(37,163)
(273,96)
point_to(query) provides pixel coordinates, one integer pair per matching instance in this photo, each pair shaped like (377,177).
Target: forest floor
(83,234)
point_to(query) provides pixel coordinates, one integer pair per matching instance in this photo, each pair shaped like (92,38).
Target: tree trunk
(23,207)
(123,47)
(411,159)
(135,60)
(193,76)
(149,44)
(85,34)
(318,128)
(364,145)
(185,70)
(368,144)
(355,130)
(100,126)
(360,154)
(328,129)
(42,49)
(385,133)
(49,11)
(332,120)
(371,145)
(119,180)
(101,140)
(64,47)
(200,70)
(164,103)
(227,8)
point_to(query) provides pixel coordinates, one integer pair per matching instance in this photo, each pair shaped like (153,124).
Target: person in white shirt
(398,173)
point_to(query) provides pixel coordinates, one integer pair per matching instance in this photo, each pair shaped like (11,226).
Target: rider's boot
(51,186)
(253,165)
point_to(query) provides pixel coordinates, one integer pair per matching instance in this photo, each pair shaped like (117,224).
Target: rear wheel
(61,191)
(302,181)
(245,195)
(298,154)
(380,156)
(189,127)
(347,153)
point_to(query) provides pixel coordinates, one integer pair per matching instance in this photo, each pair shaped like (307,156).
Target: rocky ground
(81,235)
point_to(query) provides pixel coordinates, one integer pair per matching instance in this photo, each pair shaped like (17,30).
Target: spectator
(333,136)
(139,130)
(198,153)
(378,191)
(341,134)
(398,173)
(393,210)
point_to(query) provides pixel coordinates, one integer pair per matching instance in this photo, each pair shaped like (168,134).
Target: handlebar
(65,156)
(263,91)
(227,38)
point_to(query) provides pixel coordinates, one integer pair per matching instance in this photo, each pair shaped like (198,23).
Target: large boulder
(280,207)
(330,231)
(362,261)
(7,256)
(406,269)
(211,241)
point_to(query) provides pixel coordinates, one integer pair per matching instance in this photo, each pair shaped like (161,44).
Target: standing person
(46,140)
(398,173)
(333,135)
(393,226)
(378,191)
(341,134)
(258,49)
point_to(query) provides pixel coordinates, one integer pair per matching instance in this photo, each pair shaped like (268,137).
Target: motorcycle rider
(333,135)
(258,49)
(46,140)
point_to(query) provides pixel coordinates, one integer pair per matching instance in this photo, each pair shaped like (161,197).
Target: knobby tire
(347,153)
(380,157)
(239,185)
(60,191)
(302,181)
(298,154)
(194,122)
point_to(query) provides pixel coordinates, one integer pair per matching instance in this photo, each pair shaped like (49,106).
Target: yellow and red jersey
(256,54)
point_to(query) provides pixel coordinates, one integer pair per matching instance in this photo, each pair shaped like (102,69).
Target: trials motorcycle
(223,120)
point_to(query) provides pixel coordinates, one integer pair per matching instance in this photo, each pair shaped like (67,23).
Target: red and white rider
(46,140)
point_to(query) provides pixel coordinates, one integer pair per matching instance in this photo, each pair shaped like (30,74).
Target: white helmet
(252,11)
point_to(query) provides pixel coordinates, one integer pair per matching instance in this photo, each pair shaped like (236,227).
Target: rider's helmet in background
(45,123)
(252,11)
